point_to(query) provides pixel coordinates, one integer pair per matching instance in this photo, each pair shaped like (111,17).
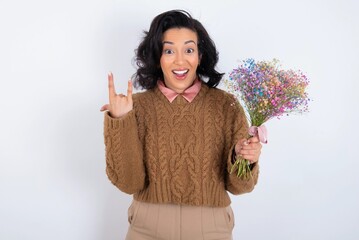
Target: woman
(173,145)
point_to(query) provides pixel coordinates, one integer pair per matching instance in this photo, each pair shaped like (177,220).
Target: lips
(180,74)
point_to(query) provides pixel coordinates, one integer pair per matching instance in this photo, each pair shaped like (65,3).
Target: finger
(252,146)
(240,144)
(111,86)
(104,107)
(244,142)
(253,139)
(250,157)
(250,152)
(129,89)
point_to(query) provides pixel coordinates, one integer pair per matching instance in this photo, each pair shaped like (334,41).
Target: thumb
(253,139)
(239,145)
(104,107)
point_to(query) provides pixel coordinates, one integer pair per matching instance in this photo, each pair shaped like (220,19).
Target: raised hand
(119,104)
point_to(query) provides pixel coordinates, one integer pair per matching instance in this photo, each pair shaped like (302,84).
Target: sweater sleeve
(238,129)
(124,153)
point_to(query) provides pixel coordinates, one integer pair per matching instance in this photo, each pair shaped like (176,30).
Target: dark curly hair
(148,53)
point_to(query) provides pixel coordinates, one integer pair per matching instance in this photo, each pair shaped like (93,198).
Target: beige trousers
(178,222)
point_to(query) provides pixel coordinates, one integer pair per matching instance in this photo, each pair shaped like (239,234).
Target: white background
(54,59)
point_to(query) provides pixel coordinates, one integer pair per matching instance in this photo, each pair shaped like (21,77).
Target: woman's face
(180,58)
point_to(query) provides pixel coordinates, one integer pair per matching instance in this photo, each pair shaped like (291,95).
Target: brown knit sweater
(177,152)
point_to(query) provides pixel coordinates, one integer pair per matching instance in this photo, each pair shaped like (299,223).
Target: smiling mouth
(180,73)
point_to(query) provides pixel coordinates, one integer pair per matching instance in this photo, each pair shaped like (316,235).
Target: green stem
(243,170)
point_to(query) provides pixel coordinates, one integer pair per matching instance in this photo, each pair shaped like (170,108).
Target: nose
(179,58)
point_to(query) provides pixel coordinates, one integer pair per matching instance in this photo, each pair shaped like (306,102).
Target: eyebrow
(186,42)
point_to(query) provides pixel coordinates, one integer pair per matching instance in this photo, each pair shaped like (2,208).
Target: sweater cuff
(115,123)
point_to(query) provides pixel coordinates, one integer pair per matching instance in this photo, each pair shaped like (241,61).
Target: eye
(167,51)
(189,50)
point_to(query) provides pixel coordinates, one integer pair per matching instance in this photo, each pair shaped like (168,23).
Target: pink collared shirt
(189,94)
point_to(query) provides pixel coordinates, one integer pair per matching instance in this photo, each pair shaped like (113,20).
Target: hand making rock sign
(119,104)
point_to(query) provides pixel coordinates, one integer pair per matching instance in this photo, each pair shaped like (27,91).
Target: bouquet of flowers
(266,91)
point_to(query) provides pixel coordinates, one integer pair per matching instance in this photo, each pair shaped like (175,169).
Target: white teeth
(180,72)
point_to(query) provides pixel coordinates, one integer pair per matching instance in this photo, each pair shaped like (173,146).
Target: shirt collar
(189,94)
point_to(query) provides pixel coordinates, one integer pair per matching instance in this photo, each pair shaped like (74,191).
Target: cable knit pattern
(178,152)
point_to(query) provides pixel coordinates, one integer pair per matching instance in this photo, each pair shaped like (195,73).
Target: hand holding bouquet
(266,92)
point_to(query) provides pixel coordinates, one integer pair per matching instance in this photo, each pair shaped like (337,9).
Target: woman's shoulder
(221,95)
(142,95)
(224,101)
(144,98)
